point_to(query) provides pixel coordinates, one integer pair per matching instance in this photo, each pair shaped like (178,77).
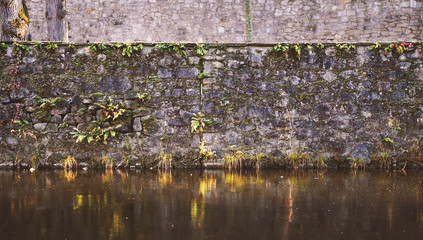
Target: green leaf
(90,139)
(113,133)
(80,138)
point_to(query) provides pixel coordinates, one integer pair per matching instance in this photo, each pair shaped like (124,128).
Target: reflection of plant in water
(118,224)
(207,184)
(107,175)
(238,180)
(165,177)
(234,180)
(69,175)
(197,213)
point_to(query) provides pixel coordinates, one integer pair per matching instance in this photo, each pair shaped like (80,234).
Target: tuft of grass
(108,162)
(256,160)
(204,153)
(383,159)
(69,162)
(357,163)
(235,159)
(321,161)
(165,161)
(299,158)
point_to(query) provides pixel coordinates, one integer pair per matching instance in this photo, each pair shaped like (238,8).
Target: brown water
(211,205)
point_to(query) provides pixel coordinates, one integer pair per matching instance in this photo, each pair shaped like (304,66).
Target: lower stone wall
(327,102)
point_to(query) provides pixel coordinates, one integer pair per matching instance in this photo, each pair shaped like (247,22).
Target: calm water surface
(211,205)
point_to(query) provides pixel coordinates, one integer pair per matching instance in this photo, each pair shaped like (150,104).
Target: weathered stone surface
(12,140)
(52,127)
(137,126)
(225,21)
(118,84)
(361,152)
(62,107)
(164,73)
(40,126)
(190,72)
(21,93)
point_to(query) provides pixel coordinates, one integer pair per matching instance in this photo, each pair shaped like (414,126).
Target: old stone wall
(228,20)
(334,101)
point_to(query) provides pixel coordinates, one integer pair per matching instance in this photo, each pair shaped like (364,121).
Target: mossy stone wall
(338,103)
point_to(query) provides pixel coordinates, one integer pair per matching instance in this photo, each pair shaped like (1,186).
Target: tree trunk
(15,20)
(56,24)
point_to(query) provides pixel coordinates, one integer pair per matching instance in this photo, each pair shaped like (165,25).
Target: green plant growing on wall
(345,47)
(49,46)
(201,49)
(19,46)
(39,46)
(394,125)
(297,47)
(198,122)
(98,47)
(375,46)
(204,153)
(399,47)
(144,97)
(128,48)
(279,48)
(176,47)
(46,104)
(109,110)
(95,133)
(24,131)
(71,45)
(4,45)
(319,45)
(203,75)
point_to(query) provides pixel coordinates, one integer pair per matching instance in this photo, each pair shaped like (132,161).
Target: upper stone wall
(337,20)
(226,20)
